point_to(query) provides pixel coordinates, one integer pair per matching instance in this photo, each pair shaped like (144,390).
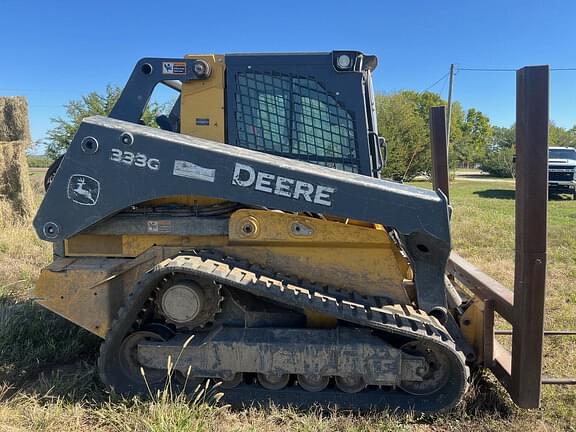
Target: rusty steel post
(532,86)
(439,145)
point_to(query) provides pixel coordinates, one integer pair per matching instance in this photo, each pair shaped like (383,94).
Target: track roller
(350,384)
(273,381)
(232,382)
(313,383)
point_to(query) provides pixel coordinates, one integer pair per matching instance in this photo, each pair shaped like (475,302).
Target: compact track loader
(254,219)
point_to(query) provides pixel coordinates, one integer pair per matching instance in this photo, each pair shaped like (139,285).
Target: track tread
(369,311)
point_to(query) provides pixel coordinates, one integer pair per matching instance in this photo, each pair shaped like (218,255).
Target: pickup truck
(562,170)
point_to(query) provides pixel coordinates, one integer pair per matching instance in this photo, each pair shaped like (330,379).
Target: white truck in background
(562,170)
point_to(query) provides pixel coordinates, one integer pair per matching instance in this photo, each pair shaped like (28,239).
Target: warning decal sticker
(174,68)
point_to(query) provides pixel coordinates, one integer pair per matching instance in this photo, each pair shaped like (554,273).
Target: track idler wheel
(434,376)
(128,362)
(313,383)
(350,384)
(273,381)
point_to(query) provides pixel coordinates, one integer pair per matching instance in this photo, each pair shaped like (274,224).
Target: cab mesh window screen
(294,117)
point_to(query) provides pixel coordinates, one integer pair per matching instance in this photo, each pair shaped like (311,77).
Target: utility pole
(449,114)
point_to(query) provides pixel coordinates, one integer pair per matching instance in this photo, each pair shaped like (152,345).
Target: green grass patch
(36,161)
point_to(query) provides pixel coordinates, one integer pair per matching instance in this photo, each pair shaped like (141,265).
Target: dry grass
(48,380)
(22,254)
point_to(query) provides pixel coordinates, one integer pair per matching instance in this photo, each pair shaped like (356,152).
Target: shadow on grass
(475,176)
(496,193)
(486,397)
(508,194)
(41,353)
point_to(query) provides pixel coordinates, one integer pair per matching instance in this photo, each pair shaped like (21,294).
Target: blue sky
(52,51)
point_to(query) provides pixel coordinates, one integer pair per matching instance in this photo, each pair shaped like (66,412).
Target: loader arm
(114,164)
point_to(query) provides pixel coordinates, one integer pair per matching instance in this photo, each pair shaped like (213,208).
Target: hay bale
(14,141)
(14,123)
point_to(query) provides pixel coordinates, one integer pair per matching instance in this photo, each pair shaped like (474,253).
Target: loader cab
(314,107)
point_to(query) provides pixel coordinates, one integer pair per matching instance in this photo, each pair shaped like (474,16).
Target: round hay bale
(14,141)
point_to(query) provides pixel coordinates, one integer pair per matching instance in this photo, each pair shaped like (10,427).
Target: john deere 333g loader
(254,219)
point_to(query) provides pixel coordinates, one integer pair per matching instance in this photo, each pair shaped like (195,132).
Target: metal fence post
(532,84)
(439,144)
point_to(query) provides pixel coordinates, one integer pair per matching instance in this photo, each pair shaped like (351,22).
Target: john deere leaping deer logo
(83,189)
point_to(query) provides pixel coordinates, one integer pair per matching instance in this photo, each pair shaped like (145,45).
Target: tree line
(403,119)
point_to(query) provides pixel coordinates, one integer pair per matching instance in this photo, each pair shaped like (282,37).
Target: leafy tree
(503,137)
(572,133)
(457,120)
(401,122)
(403,119)
(476,135)
(560,137)
(423,102)
(498,160)
(60,137)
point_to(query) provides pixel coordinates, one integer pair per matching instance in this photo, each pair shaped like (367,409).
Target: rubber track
(368,311)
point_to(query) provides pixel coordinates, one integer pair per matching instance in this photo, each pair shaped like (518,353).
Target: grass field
(47,366)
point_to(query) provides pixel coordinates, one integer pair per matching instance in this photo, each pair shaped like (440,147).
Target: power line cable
(487,70)
(436,82)
(443,87)
(508,70)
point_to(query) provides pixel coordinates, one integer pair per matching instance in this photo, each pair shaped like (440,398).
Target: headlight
(343,61)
